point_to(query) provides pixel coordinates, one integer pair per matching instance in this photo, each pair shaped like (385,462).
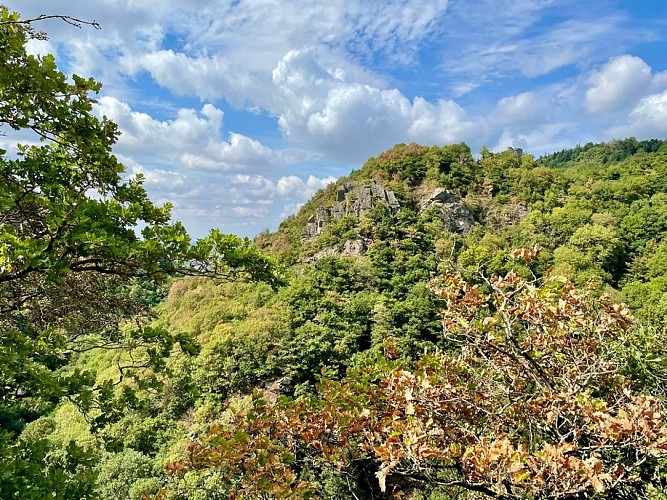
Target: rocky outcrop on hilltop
(453,212)
(353,199)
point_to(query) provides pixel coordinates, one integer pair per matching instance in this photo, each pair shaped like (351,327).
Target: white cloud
(156,178)
(290,209)
(207,77)
(648,119)
(257,185)
(488,40)
(390,26)
(619,83)
(37,47)
(630,98)
(140,131)
(344,80)
(289,186)
(522,108)
(11,139)
(222,49)
(293,187)
(191,139)
(256,211)
(568,43)
(540,139)
(269,29)
(350,120)
(442,123)
(239,153)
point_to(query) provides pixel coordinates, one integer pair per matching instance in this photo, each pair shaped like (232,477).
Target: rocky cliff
(452,210)
(353,199)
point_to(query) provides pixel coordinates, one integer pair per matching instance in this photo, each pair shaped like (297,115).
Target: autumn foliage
(532,403)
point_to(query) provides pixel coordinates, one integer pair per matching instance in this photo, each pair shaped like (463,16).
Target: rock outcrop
(454,213)
(351,248)
(352,200)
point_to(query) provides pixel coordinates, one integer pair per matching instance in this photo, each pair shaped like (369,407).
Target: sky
(237,111)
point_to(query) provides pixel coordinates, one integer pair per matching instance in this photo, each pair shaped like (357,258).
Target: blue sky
(237,111)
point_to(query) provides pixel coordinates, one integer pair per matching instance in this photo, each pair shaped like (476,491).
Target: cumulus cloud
(326,73)
(207,77)
(622,97)
(257,185)
(290,209)
(293,187)
(156,178)
(522,108)
(629,97)
(540,139)
(141,130)
(350,120)
(240,152)
(37,47)
(619,83)
(289,186)
(647,119)
(192,138)
(220,49)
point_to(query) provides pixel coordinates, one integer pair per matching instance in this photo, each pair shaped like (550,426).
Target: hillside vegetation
(346,326)
(350,326)
(436,325)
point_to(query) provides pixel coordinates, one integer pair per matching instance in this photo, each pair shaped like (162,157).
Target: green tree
(70,246)
(535,404)
(127,475)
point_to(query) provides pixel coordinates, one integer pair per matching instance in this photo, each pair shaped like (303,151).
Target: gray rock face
(454,213)
(511,214)
(354,248)
(273,390)
(351,248)
(352,200)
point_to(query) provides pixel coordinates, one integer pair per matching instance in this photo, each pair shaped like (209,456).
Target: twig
(77,23)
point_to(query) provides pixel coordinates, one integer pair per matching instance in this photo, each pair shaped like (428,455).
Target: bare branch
(77,23)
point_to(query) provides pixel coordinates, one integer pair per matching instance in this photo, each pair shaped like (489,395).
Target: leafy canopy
(534,404)
(75,233)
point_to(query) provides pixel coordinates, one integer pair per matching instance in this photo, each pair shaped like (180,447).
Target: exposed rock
(510,214)
(517,151)
(354,248)
(327,252)
(454,213)
(351,248)
(352,200)
(273,390)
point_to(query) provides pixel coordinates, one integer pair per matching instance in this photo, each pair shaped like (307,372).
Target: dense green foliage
(111,368)
(77,277)
(607,152)
(597,221)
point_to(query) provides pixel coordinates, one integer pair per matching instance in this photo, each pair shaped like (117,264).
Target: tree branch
(77,23)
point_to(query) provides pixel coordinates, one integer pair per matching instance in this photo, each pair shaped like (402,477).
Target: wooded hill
(436,325)
(514,398)
(361,312)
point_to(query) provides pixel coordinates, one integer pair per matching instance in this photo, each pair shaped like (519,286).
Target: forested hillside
(439,324)
(515,397)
